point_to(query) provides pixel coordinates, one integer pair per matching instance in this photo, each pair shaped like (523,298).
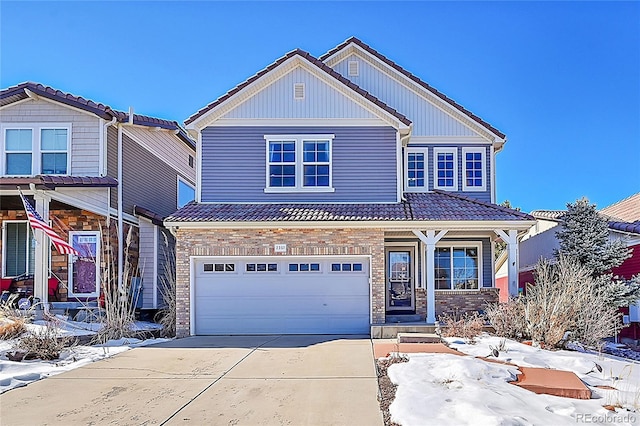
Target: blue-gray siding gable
(234,164)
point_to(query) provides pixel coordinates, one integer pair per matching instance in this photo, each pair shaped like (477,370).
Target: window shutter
(298,91)
(16,248)
(354,68)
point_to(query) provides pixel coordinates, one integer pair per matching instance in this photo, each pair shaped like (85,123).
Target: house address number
(280,248)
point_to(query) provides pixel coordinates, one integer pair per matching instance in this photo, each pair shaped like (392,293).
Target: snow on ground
(455,390)
(16,374)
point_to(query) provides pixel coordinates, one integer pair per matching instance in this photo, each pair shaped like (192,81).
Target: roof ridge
(312,60)
(484,203)
(414,78)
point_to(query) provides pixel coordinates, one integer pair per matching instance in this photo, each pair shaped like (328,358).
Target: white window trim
(36,152)
(464,244)
(186,182)
(4,246)
(482,152)
(453,151)
(98,260)
(299,163)
(424,188)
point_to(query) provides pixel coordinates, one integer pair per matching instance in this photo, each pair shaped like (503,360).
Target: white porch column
(430,240)
(41,272)
(513,259)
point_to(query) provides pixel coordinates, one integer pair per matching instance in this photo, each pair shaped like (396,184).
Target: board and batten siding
(166,264)
(234,165)
(478,195)
(147,180)
(320,100)
(428,120)
(85,130)
(147,261)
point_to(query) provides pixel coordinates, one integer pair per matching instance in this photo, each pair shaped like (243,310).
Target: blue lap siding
(234,164)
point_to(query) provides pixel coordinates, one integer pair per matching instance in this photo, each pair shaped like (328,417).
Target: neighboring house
(63,152)
(336,193)
(540,242)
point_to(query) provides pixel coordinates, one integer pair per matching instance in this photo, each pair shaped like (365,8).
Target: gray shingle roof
(436,206)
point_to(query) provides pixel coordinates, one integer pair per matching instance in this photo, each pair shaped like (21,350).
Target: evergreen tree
(584,236)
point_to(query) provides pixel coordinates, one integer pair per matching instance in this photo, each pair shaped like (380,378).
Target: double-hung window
(18,248)
(32,149)
(457,267)
(416,168)
(445,170)
(474,175)
(299,163)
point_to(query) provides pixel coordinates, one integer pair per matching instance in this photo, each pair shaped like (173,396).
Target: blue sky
(561,79)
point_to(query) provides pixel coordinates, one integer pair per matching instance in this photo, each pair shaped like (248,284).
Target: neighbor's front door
(83,269)
(400,279)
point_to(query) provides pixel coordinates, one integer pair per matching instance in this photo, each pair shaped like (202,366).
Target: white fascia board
(74,202)
(442,105)
(266,80)
(45,99)
(396,225)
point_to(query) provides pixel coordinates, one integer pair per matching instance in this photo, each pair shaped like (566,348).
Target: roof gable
(412,82)
(278,69)
(29,89)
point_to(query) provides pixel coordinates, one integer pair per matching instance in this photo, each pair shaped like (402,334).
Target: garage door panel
(238,299)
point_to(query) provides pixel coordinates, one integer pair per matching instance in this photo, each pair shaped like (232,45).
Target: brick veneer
(67,220)
(259,242)
(457,302)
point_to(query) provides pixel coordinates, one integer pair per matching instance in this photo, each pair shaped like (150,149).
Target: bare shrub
(565,299)
(507,318)
(167,284)
(45,343)
(12,323)
(119,309)
(468,326)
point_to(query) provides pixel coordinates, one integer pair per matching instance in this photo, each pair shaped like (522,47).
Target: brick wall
(64,221)
(456,303)
(259,242)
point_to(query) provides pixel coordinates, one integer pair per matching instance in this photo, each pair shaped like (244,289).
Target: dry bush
(565,299)
(119,312)
(468,326)
(43,344)
(13,323)
(507,318)
(167,282)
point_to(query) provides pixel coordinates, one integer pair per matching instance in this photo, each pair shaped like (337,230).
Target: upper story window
(416,167)
(186,192)
(299,163)
(36,149)
(474,175)
(445,170)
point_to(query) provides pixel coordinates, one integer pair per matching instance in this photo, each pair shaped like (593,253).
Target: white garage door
(278,295)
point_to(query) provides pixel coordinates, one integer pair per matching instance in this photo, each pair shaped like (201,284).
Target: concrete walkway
(235,380)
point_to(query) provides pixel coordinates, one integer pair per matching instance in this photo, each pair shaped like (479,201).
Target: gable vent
(298,91)
(354,68)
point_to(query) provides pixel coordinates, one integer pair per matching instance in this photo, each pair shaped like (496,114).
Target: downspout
(120,218)
(402,141)
(105,151)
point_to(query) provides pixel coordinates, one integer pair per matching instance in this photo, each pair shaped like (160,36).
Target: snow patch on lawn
(16,374)
(448,389)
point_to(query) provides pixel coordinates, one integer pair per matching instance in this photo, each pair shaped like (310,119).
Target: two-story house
(334,193)
(102,178)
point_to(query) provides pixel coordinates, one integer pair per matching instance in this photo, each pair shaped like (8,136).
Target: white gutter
(105,138)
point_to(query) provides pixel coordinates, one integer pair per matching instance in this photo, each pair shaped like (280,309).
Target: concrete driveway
(229,380)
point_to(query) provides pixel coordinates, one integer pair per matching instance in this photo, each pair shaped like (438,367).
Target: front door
(83,269)
(400,279)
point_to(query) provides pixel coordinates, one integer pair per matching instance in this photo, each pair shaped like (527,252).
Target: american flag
(36,222)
